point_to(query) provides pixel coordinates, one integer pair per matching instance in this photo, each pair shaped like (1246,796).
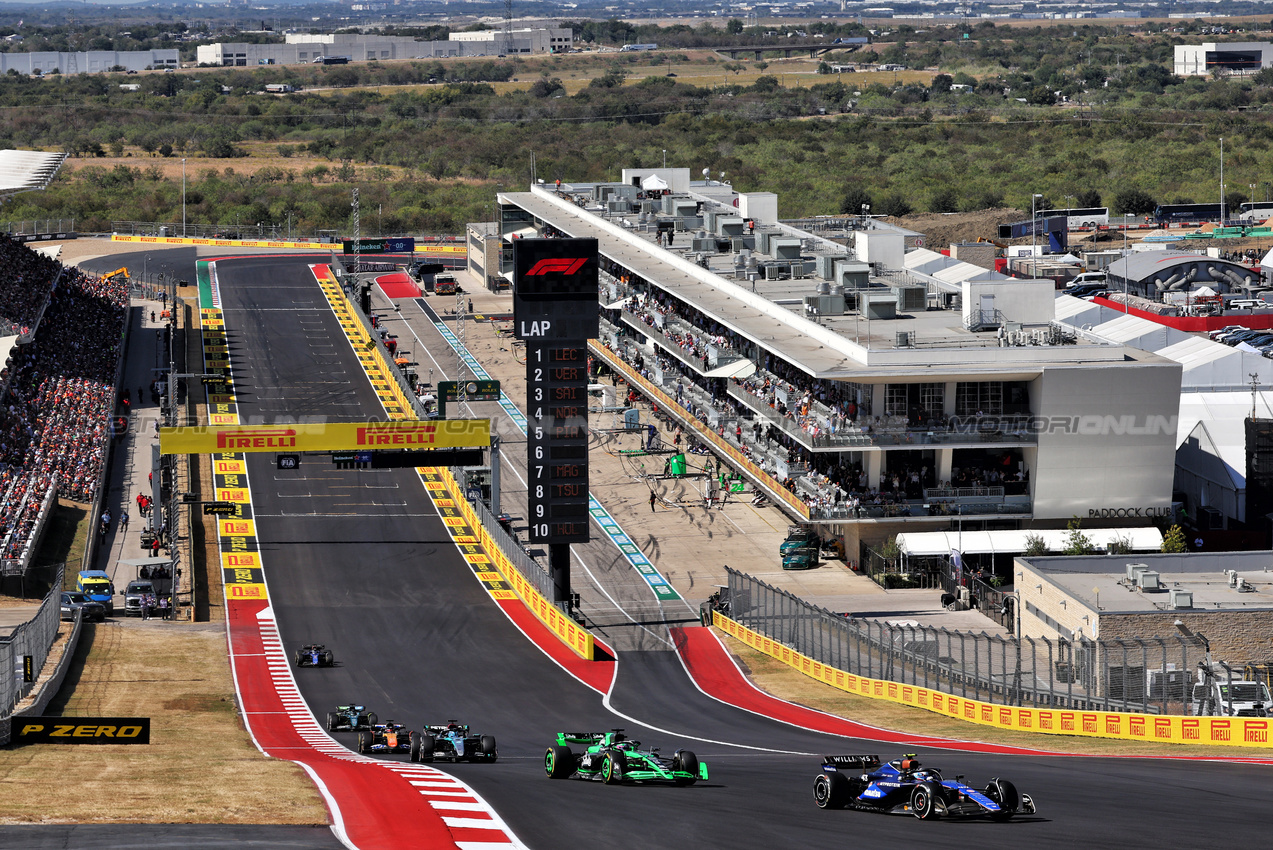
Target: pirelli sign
(326,436)
(81,730)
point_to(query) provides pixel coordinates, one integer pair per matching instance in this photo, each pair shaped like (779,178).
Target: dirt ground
(177,675)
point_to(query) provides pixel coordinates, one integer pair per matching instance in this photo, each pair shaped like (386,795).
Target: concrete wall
(677,179)
(762,206)
(1109,438)
(1031,302)
(1235,637)
(884,248)
(1040,596)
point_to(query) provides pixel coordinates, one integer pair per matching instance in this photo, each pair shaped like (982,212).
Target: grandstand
(27,171)
(62,341)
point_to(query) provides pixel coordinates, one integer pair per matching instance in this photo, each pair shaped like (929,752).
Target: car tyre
(830,790)
(924,801)
(364,742)
(611,769)
(427,744)
(415,748)
(688,762)
(559,762)
(487,744)
(1005,794)
(372,719)
(328,658)
(331,721)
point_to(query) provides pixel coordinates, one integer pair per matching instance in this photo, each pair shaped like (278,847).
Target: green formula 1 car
(612,758)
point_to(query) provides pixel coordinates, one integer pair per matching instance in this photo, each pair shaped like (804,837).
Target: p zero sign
(81,730)
(555,312)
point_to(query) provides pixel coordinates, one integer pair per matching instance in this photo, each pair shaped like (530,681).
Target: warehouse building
(858,393)
(89,62)
(304,48)
(1229,58)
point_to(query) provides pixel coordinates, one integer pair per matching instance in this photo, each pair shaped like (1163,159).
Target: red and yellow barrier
(1166,729)
(737,458)
(569,632)
(420,248)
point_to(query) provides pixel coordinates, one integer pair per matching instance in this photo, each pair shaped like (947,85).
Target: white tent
(931,543)
(654,183)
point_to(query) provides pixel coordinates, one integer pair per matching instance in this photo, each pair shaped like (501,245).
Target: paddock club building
(861,391)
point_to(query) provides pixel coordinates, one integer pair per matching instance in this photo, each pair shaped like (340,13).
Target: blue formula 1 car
(903,786)
(314,655)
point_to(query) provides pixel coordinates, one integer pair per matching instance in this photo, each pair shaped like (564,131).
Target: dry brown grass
(780,680)
(200,766)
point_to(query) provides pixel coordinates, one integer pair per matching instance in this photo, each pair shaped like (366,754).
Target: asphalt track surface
(359,560)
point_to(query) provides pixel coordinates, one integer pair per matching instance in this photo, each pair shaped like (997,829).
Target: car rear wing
(588,738)
(851,762)
(446,727)
(357,708)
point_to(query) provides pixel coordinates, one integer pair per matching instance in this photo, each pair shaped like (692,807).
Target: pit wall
(1167,729)
(579,640)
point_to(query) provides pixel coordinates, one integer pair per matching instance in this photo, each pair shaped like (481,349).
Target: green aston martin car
(613,758)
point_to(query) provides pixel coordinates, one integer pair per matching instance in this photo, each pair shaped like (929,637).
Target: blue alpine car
(903,786)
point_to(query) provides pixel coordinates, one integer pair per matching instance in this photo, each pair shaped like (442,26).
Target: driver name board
(557,442)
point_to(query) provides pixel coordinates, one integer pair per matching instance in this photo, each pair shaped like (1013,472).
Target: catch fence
(34,638)
(1151,676)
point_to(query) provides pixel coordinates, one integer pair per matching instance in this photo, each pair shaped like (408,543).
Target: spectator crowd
(58,390)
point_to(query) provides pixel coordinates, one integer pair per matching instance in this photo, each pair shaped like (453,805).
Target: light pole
(665,158)
(183,197)
(1222,181)
(1034,235)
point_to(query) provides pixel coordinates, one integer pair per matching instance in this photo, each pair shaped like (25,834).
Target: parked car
(73,601)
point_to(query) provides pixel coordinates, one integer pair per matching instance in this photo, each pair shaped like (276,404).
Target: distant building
(304,48)
(1234,57)
(523,41)
(90,62)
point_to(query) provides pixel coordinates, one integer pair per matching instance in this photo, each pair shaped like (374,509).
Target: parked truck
(1220,695)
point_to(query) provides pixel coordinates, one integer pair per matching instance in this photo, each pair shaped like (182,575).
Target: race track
(360,561)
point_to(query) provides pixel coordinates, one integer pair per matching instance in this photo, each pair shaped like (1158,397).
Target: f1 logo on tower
(566,266)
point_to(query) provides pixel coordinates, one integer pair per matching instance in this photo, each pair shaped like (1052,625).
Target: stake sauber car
(613,758)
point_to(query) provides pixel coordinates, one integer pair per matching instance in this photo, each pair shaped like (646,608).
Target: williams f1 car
(314,655)
(454,742)
(387,738)
(612,758)
(903,786)
(350,718)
